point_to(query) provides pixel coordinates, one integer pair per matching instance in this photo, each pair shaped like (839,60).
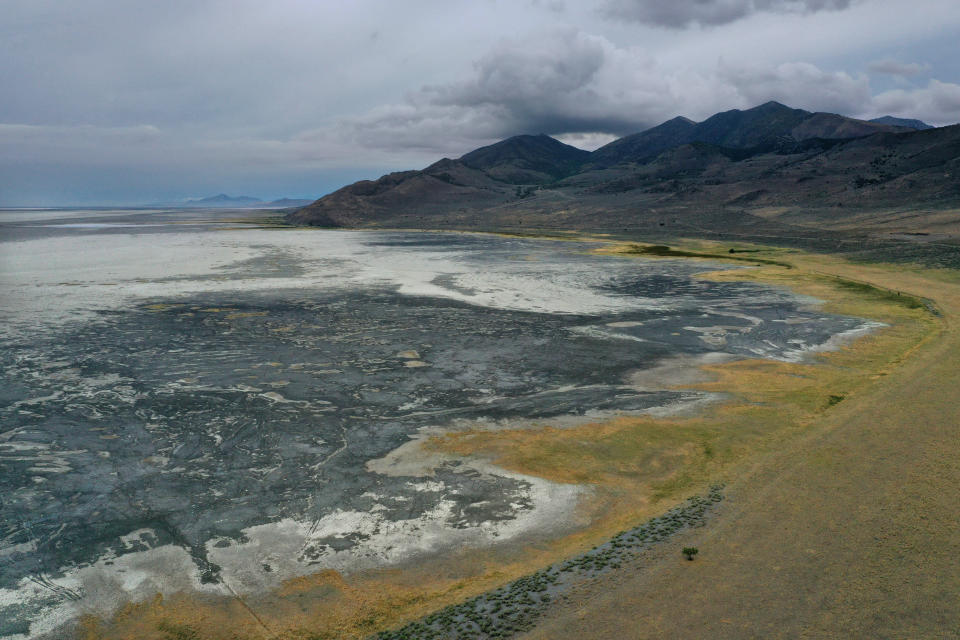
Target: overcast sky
(133,101)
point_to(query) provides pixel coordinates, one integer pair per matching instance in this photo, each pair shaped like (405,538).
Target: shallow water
(191,408)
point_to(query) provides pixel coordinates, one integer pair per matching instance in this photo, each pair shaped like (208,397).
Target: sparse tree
(689,552)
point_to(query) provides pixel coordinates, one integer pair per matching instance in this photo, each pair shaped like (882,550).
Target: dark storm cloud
(553,82)
(550,83)
(565,81)
(678,14)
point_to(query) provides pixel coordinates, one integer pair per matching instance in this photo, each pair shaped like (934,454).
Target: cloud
(798,84)
(63,165)
(147,146)
(555,82)
(588,141)
(678,14)
(937,103)
(900,69)
(564,82)
(556,6)
(558,81)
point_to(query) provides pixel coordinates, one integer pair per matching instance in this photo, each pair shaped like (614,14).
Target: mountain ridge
(771,170)
(766,125)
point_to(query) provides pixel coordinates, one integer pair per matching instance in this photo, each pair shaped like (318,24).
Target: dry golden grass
(847,531)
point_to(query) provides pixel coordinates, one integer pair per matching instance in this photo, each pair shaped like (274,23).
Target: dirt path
(854,532)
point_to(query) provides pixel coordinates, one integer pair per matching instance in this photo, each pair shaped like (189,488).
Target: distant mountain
(919,125)
(223,200)
(771,170)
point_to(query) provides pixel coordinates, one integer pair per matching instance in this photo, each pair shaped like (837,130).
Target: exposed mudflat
(184,407)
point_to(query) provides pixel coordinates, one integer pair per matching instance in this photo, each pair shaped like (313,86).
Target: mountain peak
(524,140)
(526,159)
(647,143)
(678,120)
(773,105)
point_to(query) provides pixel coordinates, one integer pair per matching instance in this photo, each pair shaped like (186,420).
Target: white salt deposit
(57,279)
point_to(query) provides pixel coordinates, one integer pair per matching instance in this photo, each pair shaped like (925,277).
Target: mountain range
(767,171)
(223,201)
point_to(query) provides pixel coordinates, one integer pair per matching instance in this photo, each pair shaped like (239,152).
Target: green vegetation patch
(883,295)
(834,399)
(662,250)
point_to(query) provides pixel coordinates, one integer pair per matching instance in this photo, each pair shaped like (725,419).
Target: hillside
(505,171)
(646,144)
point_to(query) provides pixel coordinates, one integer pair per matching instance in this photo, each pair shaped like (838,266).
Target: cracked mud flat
(222,410)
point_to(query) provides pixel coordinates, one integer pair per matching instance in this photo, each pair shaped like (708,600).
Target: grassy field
(831,467)
(848,530)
